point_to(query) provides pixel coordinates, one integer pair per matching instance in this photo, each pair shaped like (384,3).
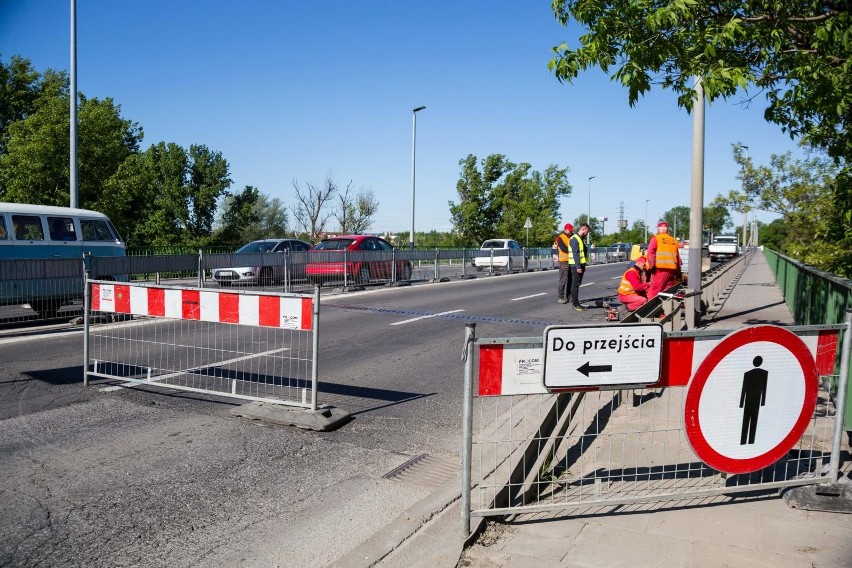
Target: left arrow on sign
(585,368)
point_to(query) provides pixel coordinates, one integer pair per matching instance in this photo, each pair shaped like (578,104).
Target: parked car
(620,251)
(263,275)
(371,259)
(499,251)
(724,247)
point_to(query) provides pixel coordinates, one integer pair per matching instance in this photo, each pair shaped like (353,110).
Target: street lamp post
(646,220)
(745,208)
(413,147)
(589,219)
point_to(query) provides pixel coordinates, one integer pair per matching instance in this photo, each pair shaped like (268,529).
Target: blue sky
(291,90)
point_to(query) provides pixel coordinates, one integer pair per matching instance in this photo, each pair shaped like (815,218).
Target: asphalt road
(146,476)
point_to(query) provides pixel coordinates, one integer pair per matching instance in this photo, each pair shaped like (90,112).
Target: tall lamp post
(745,208)
(74,189)
(413,146)
(589,219)
(646,219)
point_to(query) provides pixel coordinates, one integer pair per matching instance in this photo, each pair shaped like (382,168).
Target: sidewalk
(720,531)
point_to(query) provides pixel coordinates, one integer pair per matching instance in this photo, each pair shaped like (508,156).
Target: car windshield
(257,246)
(494,245)
(333,244)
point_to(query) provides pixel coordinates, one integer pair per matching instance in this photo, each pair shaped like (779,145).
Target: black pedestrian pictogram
(753,396)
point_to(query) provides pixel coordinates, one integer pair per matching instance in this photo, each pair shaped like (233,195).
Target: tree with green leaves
(799,54)
(804,192)
(496,201)
(240,212)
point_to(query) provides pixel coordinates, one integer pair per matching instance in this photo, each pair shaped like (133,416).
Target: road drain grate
(424,470)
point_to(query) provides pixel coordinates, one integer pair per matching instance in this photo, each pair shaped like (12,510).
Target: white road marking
(615,277)
(426,317)
(179,373)
(589,284)
(528,297)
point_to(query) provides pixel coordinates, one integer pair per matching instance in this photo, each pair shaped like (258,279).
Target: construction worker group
(659,269)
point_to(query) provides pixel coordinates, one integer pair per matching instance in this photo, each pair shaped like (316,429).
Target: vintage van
(32,232)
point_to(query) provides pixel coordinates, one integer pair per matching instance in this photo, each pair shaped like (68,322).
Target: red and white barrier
(262,310)
(508,369)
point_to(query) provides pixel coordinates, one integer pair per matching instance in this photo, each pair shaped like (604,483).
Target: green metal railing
(814,297)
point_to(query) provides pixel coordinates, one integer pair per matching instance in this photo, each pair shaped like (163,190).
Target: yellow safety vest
(581,247)
(626,288)
(566,240)
(666,257)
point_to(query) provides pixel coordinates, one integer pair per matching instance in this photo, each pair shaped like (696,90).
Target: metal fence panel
(245,345)
(40,289)
(542,451)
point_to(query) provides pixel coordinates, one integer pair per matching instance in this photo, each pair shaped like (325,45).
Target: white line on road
(528,297)
(426,317)
(615,277)
(158,378)
(589,284)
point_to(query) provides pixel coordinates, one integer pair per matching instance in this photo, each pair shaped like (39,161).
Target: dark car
(372,259)
(263,275)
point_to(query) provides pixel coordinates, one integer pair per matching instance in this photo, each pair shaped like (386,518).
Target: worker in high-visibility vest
(563,247)
(577,259)
(633,290)
(664,261)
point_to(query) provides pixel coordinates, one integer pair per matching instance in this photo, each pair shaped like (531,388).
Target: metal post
(467,426)
(696,213)
(413,146)
(314,363)
(200,269)
(589,234)
(393,266)
(87,305)
(646,221)
(345,270)
(73,186)
(464,263)
(840,399)
(436,264)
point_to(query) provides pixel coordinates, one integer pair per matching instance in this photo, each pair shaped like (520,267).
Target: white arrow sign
(602,356)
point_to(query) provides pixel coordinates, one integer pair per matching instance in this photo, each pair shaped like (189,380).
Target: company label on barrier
(602,356)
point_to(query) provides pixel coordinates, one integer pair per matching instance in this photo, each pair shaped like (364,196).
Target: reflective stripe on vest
(666,252)
(626,288)
(581,247)
(566,240)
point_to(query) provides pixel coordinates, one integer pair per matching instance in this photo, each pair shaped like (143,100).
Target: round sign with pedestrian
(751,399)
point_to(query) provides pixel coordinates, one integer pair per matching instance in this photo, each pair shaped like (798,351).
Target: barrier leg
(840,399)
(467,426)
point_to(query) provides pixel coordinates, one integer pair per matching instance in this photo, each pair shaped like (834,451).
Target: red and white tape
(516,369)
(287,312)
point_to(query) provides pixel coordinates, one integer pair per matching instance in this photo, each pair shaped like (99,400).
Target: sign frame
(739,338)
(590,385)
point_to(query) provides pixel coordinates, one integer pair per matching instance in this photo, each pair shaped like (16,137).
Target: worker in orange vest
(633,290)
(664,261)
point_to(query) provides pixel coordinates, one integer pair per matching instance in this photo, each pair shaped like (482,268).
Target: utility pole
(696,213)
(74,189)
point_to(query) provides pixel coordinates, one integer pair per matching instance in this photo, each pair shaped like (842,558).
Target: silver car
(268,274)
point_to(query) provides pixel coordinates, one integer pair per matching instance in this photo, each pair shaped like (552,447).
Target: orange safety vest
(566,240)
(626,288)
(666,258)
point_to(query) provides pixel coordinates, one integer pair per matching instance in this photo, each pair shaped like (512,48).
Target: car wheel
(363,275)
(406,272)
(265,276)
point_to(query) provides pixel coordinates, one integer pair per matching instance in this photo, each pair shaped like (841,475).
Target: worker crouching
(633,290)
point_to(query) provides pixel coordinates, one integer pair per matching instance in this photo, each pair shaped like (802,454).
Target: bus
(29,233)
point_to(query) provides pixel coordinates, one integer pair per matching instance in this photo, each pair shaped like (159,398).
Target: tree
(239,212)
(797,53)
(805,193)
(35,165)
(497,201)
(678,219)
(311,209)
(355,212)
(716,218)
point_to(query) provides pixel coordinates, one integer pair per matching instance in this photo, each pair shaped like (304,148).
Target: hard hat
(663,224)
(641,260)
(569,227)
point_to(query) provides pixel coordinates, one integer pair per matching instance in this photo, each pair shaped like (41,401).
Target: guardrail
(813,297)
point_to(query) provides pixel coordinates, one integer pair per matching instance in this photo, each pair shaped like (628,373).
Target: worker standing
(633,290)
(663,260)
(577,258)
(563,247)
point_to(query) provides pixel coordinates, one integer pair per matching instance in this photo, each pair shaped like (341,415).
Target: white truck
(724,247)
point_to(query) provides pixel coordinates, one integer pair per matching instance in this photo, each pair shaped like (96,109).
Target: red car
(366,259)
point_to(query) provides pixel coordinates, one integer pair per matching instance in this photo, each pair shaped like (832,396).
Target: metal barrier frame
(540,441)
(92,371)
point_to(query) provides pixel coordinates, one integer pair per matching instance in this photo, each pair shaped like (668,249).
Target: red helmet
(569,227)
